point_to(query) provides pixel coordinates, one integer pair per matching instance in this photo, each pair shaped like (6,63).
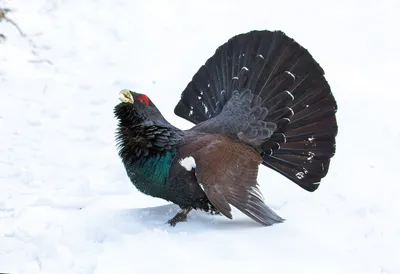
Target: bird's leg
(181,216)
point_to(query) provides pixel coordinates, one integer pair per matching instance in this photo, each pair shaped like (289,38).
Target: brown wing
(227,171)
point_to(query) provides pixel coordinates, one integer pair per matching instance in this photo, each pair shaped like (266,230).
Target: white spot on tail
(311,156)
(300,175)
(205,107)
(284,138)
(290,94)
(245,68)
(188,163)
(262,57)
(291,74)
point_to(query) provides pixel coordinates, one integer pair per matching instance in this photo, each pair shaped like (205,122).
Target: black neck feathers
(143,132)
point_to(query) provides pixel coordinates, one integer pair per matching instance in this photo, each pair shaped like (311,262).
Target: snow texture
(66,204)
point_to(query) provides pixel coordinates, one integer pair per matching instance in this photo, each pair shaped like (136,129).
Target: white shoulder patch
(188,163)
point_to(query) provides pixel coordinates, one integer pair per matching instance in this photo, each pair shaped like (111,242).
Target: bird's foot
(181,216)
(215,212)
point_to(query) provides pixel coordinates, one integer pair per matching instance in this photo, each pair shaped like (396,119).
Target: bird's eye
(143,99)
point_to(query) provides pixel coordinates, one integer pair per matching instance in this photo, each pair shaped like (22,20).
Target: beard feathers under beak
(125,96)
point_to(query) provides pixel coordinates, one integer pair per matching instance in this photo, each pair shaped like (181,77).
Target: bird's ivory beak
(125,96)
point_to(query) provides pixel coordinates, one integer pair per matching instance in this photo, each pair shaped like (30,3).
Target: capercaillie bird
(260,99)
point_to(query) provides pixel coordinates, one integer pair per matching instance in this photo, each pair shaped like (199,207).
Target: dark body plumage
(260,99)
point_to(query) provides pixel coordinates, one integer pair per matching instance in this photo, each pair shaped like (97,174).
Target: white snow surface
(66,204)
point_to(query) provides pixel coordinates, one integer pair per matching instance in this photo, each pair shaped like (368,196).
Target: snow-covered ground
(66,204)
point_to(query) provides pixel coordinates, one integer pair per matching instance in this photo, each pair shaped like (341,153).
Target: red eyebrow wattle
(144,98)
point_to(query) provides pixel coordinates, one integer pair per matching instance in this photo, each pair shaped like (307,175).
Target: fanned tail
(292,87)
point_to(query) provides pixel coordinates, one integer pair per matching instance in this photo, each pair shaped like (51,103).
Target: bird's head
(127,96)
(136,108)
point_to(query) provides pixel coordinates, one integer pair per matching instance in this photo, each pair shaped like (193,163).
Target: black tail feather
(292,87)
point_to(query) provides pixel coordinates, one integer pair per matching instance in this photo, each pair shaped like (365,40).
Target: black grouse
(260,99)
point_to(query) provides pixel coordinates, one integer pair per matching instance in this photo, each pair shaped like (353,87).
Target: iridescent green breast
(149,174)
